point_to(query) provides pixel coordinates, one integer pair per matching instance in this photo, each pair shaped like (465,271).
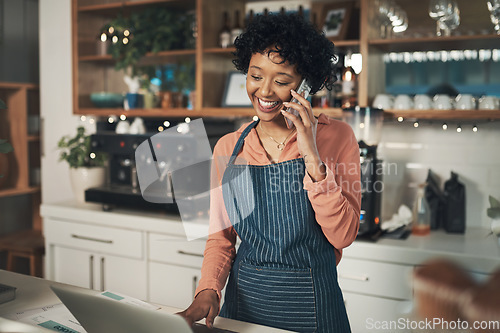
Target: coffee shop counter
(477,249)
(34,293)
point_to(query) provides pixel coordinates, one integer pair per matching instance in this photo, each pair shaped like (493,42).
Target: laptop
(99,314)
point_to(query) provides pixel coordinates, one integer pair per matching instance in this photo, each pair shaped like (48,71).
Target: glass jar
(421,214)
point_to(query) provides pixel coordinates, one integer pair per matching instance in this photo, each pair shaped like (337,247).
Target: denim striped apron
(284,274)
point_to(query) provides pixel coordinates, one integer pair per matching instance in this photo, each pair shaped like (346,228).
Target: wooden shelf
(213,63)
(436,43)
(16,85)
(148,57)
(33,138)
(219,50)
(19,191)
(111,8)
(445,114)
(182,112)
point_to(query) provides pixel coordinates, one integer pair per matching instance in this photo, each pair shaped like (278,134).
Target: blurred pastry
(440,286)
(482,304)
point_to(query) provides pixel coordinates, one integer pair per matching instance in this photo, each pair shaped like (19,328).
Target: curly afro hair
(296,41)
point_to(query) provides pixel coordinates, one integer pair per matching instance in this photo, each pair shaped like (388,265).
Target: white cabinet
(172,285)
(96,257)
(174,269)
(375,293)
(371,314)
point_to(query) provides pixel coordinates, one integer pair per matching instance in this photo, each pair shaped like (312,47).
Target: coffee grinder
(367,123)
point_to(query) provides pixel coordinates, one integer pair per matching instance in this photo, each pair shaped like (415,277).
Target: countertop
(34,293)
(477,249)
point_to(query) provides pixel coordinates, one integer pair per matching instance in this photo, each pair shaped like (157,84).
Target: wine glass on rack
(451,21)
(438,10)
(494,8)
(383,9)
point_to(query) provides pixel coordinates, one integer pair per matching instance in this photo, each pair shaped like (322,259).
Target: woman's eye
(257,78)
(281,83)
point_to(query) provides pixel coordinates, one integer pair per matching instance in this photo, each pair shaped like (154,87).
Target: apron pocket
(277,297)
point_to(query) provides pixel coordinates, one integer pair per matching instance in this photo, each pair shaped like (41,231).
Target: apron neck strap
(241,140)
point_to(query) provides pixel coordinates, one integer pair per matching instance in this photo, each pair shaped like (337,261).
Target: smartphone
(303,89)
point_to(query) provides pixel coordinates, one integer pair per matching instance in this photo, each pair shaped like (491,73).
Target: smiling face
(268,84)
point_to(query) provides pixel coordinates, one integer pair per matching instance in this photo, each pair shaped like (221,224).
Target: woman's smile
(268,106)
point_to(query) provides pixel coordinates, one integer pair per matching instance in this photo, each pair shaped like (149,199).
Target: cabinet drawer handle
(107,241)
(102,275)
(91,272)
(195,283)
(354,277)
(190,253)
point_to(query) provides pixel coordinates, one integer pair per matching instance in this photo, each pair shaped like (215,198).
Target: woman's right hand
(205,305)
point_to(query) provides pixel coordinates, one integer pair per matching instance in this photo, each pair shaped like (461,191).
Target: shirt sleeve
(220,247)
(336,200)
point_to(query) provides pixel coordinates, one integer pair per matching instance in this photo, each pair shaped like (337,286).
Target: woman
(304,191)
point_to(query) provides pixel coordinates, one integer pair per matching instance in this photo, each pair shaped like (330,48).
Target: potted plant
(494,213)
(87,169)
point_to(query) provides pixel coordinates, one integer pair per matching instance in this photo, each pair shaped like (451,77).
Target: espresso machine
(122,187)
(367,123)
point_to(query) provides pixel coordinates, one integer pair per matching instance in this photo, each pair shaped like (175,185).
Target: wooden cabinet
(21,167)
(95,73)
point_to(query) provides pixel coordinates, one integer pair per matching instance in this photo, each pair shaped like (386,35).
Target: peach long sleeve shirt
(335,199)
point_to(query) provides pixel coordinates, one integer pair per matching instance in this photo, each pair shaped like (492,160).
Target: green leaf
(2,105)
(494,203)
(493,213)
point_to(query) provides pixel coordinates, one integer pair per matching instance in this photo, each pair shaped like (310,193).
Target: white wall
(412,151)
(56,95)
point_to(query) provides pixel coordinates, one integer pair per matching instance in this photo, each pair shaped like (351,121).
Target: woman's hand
(205,305)
(306,126)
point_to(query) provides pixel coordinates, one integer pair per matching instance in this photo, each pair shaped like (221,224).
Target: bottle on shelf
(249,18)
(421,224)
(237,29)
(225,32)
(282,11)
(349,84)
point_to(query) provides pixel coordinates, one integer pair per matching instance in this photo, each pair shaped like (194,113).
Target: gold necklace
(280,145)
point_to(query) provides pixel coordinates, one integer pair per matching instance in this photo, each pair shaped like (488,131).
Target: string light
(187,120)
(123,117)
(459,129)
(114,39)
(400,119)
(474,128)
(111,30)
(92,155)
(361,125)
(415,124)
(255,118)
(445,126)
(160,128)
(126,33)
(83,118)
(125,40)
(166,123)
(104,37)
